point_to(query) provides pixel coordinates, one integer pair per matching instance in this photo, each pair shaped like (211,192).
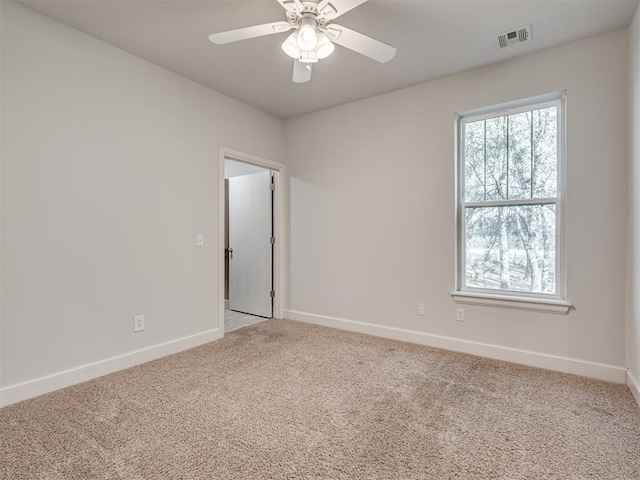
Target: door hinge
(272,293)
(273,186)
(273,240)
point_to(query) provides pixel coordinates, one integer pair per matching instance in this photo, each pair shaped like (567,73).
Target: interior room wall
(633,317)
(372,209)
(109,172)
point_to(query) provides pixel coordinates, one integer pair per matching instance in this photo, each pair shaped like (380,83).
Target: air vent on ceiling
(513,37)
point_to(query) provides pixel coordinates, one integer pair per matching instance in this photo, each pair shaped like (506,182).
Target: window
(510,193)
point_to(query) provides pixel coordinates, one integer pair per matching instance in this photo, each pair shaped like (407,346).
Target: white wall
(372,206)
(109,170)
(633,318)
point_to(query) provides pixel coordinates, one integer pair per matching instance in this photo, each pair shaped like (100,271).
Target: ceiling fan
(314,34)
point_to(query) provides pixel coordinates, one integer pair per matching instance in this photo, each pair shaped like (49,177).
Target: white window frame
(542,302)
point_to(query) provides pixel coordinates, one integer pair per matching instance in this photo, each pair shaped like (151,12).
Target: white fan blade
(249,32)
(360,43)
(331,9)
(294,6)
(301,72)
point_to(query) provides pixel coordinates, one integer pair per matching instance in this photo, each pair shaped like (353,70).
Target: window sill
(559,307)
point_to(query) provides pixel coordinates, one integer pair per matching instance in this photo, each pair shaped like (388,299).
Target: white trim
(527,202)
(531,304)
(39,386)
(634,386)
(599,371)
(561,219)
(252,159)
(513,107)
(278,213)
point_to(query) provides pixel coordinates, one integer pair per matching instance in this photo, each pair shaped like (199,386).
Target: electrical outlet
(460,314)
(200,240)
(138,323)
(421,309)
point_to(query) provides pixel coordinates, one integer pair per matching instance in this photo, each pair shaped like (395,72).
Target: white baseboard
(550,362)
(39,386)
(634,386)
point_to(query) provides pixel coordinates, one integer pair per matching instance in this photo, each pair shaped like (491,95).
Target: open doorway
(250,243)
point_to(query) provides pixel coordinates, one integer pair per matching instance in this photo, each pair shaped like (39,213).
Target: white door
(250,248)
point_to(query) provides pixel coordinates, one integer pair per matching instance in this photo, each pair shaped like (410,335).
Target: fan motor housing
(310,10)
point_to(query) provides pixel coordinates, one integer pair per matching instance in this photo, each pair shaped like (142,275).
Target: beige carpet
(284,400)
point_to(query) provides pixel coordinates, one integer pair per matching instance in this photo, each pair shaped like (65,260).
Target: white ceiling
(434,38)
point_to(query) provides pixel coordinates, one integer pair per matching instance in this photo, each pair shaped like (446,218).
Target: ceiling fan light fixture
(307,36)
(314,36)
(325,47)
(290,46)
(308,57)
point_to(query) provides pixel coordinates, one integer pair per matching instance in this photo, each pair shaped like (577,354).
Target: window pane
(496,183)
(511,248)
(474,161)
(545,152)
(520,159)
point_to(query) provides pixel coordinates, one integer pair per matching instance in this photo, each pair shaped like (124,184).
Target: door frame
(278,227)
